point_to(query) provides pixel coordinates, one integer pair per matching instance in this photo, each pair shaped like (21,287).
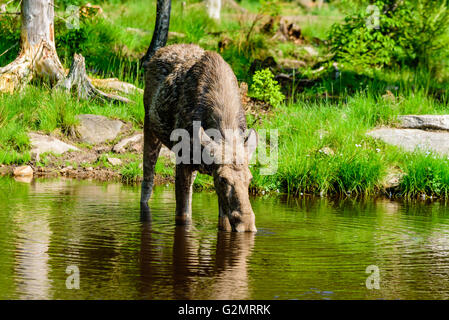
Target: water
(305,248)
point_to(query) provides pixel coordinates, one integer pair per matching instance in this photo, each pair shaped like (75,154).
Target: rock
(291,63)
(311,51)
(393,179)
(411,139)
(42,143)
(121,146)
(95,129)
(435,122)
(23,171)
(66,169)
(167,153)
(137,147)
(114,161)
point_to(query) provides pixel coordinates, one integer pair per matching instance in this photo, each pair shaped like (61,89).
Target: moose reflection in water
(200,269)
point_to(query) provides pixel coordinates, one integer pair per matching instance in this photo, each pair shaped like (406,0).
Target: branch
(77,78)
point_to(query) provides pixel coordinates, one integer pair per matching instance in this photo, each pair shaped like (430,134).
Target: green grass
(426,174)
(131,172)
(40,109)
(357,164)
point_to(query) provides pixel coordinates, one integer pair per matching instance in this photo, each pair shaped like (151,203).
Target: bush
(409,32)
(265,88)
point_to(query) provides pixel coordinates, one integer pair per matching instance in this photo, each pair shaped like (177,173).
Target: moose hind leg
(151,149)
(185,177)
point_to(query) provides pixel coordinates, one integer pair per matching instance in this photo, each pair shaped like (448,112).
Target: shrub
(265,88)
(408,32)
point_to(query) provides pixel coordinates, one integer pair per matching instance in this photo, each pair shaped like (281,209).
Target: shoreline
(99,174)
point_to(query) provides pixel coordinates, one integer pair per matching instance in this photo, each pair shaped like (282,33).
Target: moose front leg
(185,177)
(223,219)
(151,149)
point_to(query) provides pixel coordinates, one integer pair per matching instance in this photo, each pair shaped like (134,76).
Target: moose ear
(251,142)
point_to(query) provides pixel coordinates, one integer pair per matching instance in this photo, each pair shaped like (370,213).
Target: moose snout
(242,222)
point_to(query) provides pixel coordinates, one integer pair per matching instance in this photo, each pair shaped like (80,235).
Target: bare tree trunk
(38,52)
(77,78)
(38,57)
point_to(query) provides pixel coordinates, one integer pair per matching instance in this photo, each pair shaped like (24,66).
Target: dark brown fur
(185,83)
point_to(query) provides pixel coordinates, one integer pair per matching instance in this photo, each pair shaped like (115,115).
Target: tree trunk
(38,57)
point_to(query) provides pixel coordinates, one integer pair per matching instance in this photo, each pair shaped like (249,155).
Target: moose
(185,84)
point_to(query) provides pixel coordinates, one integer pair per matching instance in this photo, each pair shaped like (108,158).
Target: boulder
(412,139)
(123,144)
(291,63)
(167,153)
(433,122)
(114,161)
(95,129)
(311,51)
(41,143)
(23,171)
(392,180)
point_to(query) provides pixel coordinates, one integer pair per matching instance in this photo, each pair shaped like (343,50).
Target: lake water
(304,248)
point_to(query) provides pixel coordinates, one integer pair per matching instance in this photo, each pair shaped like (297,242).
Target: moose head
(230,154)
